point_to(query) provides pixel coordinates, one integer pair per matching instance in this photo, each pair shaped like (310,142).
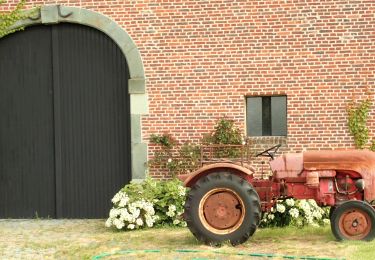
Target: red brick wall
(202,58)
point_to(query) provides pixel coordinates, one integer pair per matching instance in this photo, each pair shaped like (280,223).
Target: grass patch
(83,239)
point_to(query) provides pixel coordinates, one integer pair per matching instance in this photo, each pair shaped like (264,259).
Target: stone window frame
(261,132)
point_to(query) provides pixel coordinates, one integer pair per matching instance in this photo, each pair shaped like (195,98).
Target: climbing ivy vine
(7,19)
(358,113)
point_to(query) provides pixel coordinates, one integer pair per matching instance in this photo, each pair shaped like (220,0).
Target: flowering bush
(131,215)
(149,203)
(296,213)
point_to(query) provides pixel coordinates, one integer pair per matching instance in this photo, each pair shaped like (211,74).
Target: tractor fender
(191,178)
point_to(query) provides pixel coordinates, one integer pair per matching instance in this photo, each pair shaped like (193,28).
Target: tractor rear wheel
(331,210)
(222,206)
(353,220)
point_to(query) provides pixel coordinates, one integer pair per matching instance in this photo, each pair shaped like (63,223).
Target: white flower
(273,210)
(149,220)
(326,221)
(289,202)
(149,209)
(115,221)
(134,210)
(303,203)
(305,206)
(131,226)
(125,216)
(181,191)
(113,213)
(271,216)
(136,213)
(184,224)
(117,197)
(309,220)
(123,211)
(313,203)
(139,222)
(169,160)
(170,214)
(280,208)
(172,208)
(124,200)
(118,223)
(108,223)
(149,223)
(294,213)
(316,214)
(176,222)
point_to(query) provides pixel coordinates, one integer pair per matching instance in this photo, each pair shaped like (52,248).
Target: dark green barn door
(94,112)
(89,131)
(27,182)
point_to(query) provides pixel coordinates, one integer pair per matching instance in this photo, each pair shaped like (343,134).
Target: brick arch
(53,14)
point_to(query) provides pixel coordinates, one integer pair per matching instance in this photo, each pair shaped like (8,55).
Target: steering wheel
(270,152)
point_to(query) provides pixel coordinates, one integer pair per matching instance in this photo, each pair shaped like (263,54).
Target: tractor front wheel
(353,220)
(222,207)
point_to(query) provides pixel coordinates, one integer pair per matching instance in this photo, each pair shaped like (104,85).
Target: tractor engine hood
(360,161)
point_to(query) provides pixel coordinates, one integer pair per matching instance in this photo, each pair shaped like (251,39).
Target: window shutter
(278,116)
(254,116)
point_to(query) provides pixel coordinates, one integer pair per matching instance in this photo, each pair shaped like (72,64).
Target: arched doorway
(65,144)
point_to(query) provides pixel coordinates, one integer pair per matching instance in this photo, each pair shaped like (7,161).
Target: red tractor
(226,201)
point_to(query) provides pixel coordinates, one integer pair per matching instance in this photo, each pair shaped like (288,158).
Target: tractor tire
(331,210)
(353,220)
(222,207)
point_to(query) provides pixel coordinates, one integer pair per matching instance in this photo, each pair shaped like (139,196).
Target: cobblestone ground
(39,239)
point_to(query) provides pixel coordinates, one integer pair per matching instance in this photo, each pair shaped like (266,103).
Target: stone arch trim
(53,14)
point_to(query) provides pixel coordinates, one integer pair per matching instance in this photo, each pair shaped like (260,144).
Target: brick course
(202,58)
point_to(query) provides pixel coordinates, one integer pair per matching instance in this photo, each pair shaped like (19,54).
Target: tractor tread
(231,181)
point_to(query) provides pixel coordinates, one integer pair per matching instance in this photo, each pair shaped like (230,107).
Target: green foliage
(185,160)
(372,147)
(190,155)
(225,133)
(162,194)
(165,140)
(163,156)
(297,213)
(358,115)
(176,160)
(7,19)
(151,202)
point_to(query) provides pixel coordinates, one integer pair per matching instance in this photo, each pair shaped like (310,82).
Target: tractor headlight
(360,184)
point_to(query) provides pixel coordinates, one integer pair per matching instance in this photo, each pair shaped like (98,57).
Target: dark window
(266,116)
